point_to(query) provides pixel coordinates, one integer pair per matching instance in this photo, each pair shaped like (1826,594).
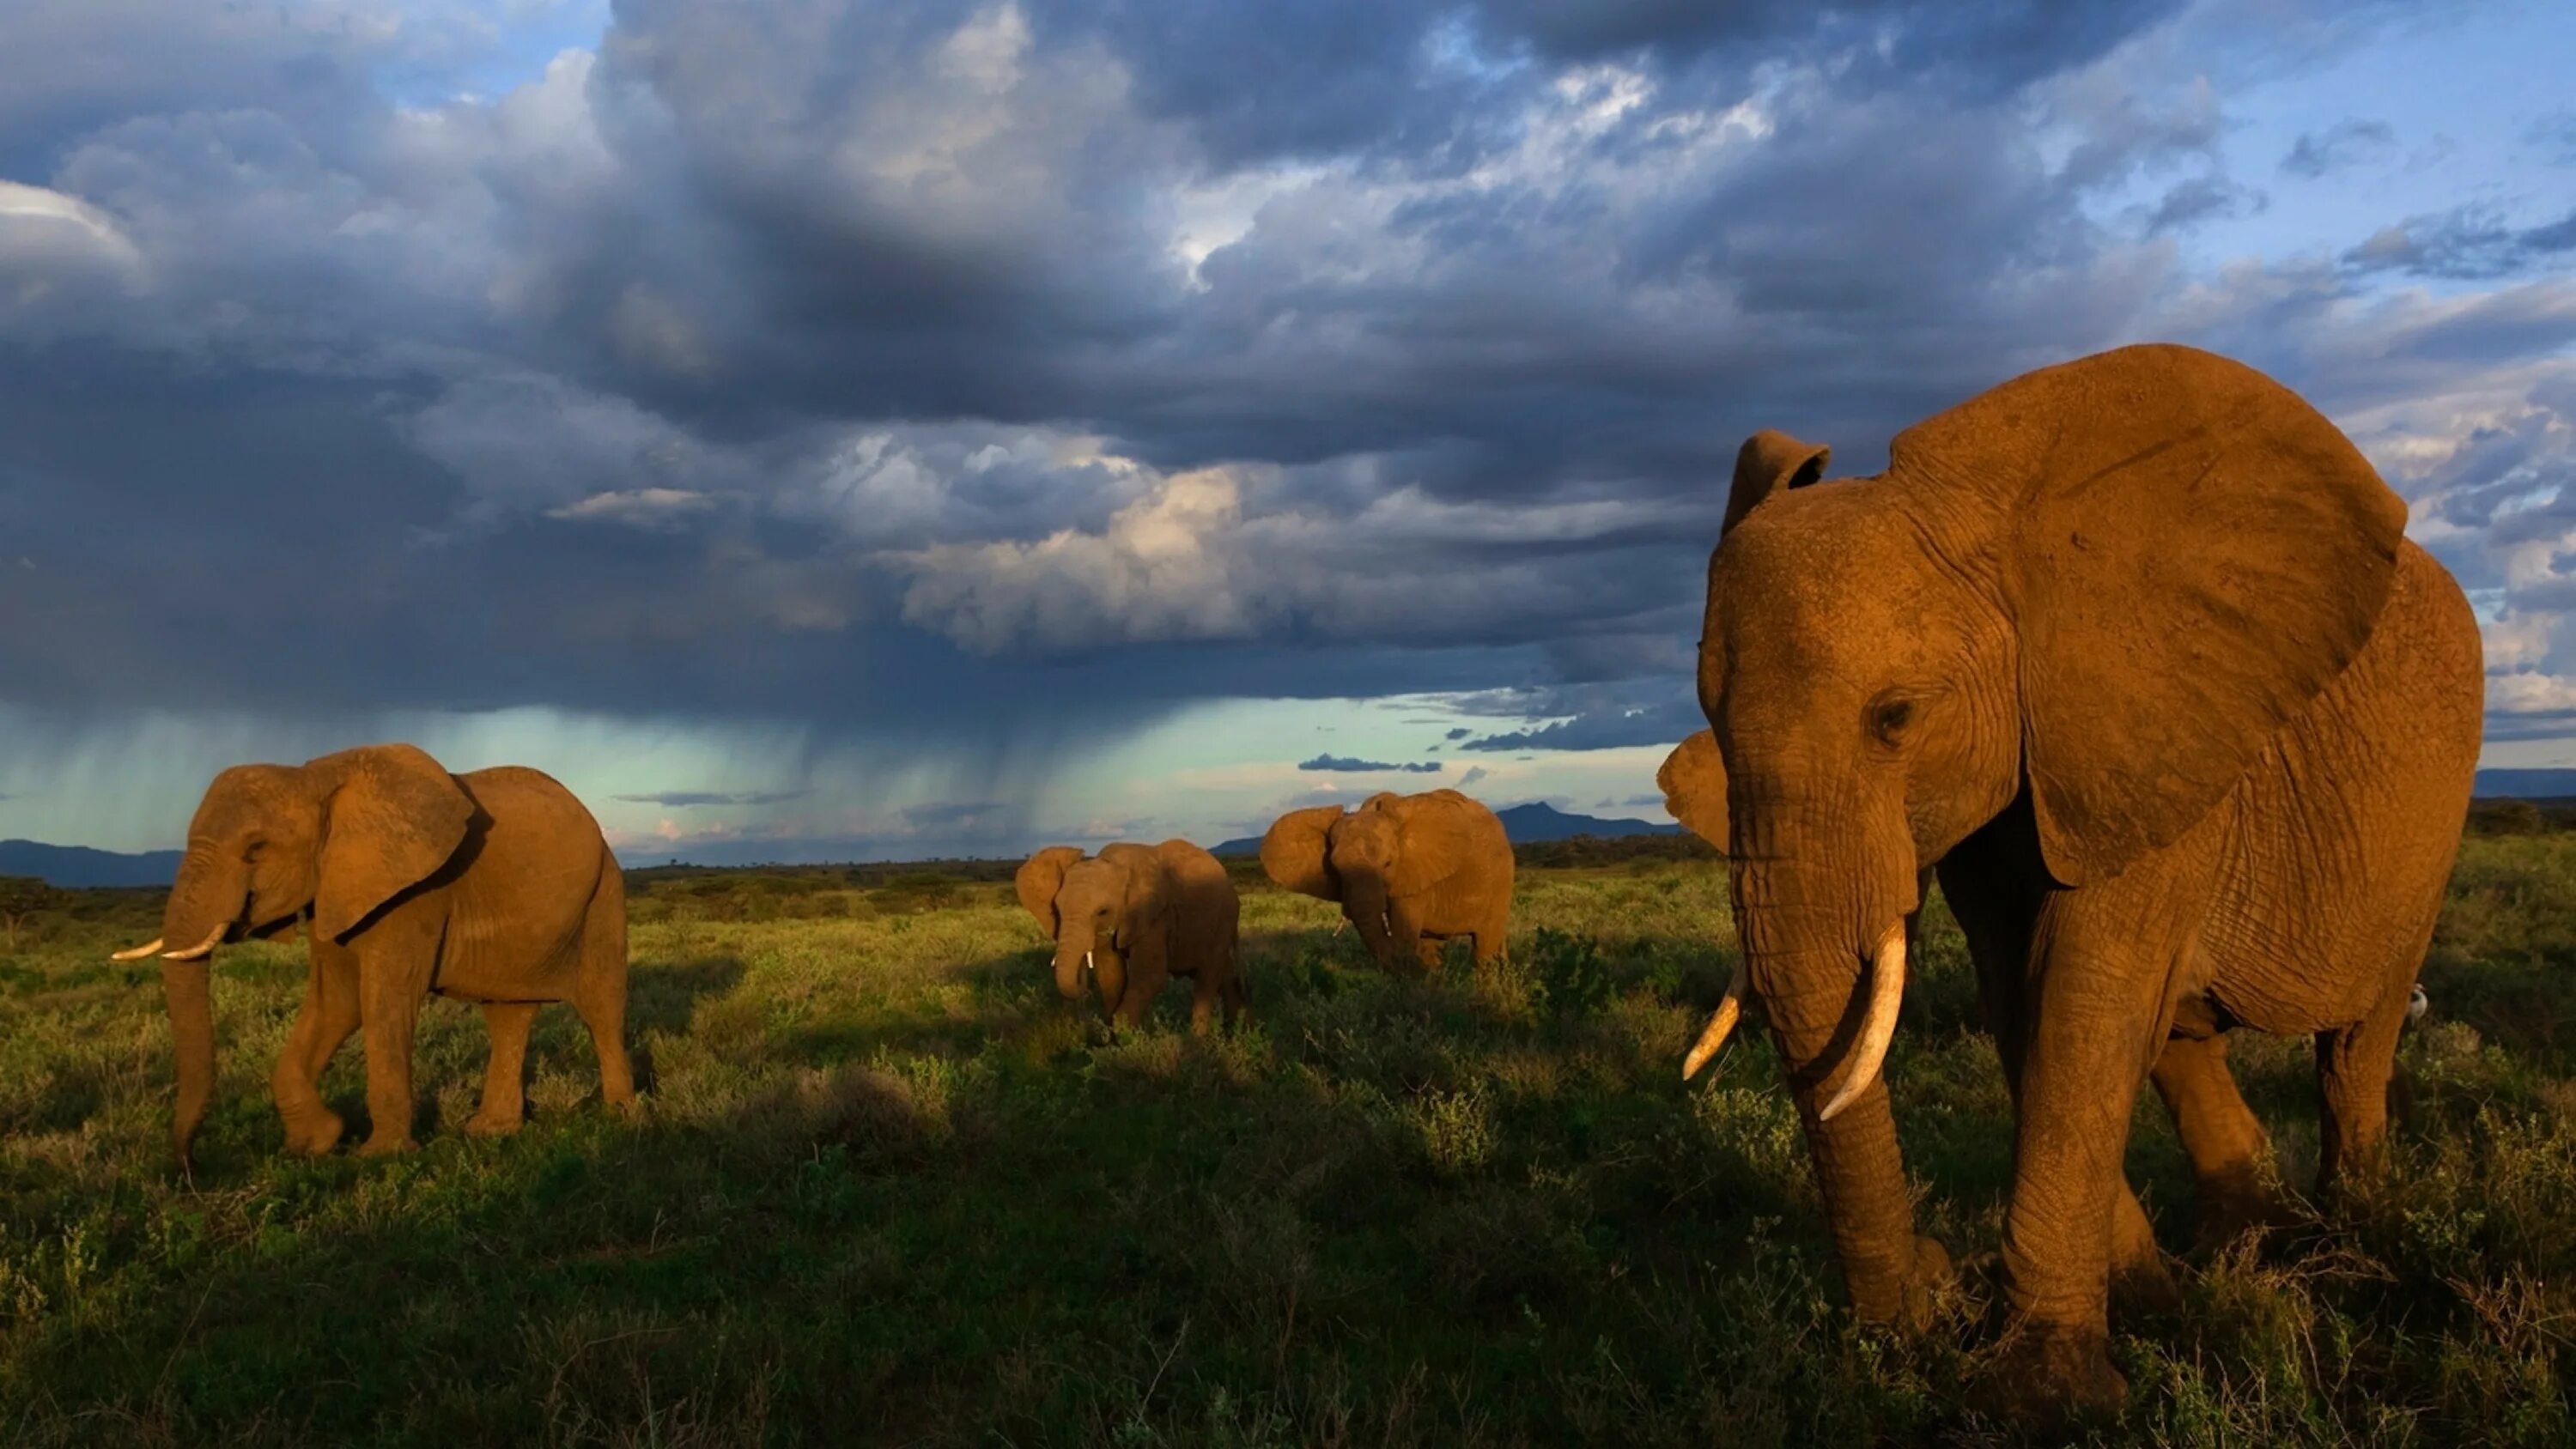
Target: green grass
(887,1189)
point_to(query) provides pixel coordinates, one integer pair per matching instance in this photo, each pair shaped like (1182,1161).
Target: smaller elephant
(1133,917)
(493,887)
(1412,872)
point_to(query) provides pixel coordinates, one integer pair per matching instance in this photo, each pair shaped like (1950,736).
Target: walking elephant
(1412,872)
(1134,916)
(493,887)
(2133,654)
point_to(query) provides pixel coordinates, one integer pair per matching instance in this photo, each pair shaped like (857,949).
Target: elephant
(2132,655)
(494,887)
(1133,917)
(1412,872)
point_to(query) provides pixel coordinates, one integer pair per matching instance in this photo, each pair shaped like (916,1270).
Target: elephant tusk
(1338,925)
(201,950)
(1720,1024)
(1086,961)
(1886,993)
(138,953)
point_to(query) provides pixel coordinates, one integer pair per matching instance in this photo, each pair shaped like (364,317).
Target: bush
(1572,980)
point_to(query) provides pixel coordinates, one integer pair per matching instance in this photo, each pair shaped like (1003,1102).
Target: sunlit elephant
(493,887)
(1134,916)
(1412,872)
(2133,653)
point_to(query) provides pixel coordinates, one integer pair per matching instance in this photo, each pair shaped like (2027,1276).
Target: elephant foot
(2046,1378)
(314,1135)
(387,1144)
(488,1123)
(626,1107)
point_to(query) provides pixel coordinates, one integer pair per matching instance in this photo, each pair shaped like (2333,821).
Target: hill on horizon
(1522,825)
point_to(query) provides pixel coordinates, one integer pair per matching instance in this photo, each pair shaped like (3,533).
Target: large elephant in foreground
(493,887)
(1134,916)
(2133,654)
(1412,872)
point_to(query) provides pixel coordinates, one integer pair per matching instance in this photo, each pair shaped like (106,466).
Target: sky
(819,429)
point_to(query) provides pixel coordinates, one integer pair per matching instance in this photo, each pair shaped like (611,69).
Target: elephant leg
(2228,1150)
(1431,953)
(1404,936)
(1998,914)
(1204,996)
(329,1017)
(599,995)
(1493,937)
(2354,1065)
(1236,1008)
(394,967)
(2094,1022)
(504,1091)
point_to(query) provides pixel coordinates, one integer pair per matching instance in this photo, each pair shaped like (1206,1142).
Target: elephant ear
(1039,878)
(2189,554)
(1292,851)
(392,817)
(1693,780)
(1147,903)
(1770,462)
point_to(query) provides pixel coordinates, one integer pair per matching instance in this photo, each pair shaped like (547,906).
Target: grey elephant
(493,887)
(2133,654)
(1411,872)
(1134,916)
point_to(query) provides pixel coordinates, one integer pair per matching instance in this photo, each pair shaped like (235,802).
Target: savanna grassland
(887,1189)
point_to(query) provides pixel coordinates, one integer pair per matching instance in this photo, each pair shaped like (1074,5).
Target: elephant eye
(1888,716)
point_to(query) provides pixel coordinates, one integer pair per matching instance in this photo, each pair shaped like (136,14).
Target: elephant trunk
(1826,955)
(1851,1136)
(187,986)
(1072,967)
(1364,903)
(206,902)
(1082,959)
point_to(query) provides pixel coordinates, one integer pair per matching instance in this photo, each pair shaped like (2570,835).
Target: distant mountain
(2526,784)
(1523,824)
(75,866)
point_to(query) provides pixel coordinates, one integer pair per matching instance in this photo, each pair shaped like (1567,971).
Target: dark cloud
(988,380)
(1459,733)
(1595,717)
(2468,244)
(683,798)
(2339,146)
(1347,764)
(1651,801)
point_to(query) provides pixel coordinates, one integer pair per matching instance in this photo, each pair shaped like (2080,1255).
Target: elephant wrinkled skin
(1134,916)
(494,887)
(1411,872)
(2131,653)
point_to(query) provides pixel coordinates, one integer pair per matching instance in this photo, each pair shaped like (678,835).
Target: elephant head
(340,836)
(1348,856)
(2093,593)
(1100,910)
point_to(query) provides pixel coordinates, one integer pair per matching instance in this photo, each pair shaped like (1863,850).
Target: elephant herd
(2130,654)
(1411,873)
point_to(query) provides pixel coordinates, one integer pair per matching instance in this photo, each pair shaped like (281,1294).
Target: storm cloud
(961,381)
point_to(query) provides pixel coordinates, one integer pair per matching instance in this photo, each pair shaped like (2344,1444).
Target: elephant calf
(1411,872)
(494,887)
(1134,916)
